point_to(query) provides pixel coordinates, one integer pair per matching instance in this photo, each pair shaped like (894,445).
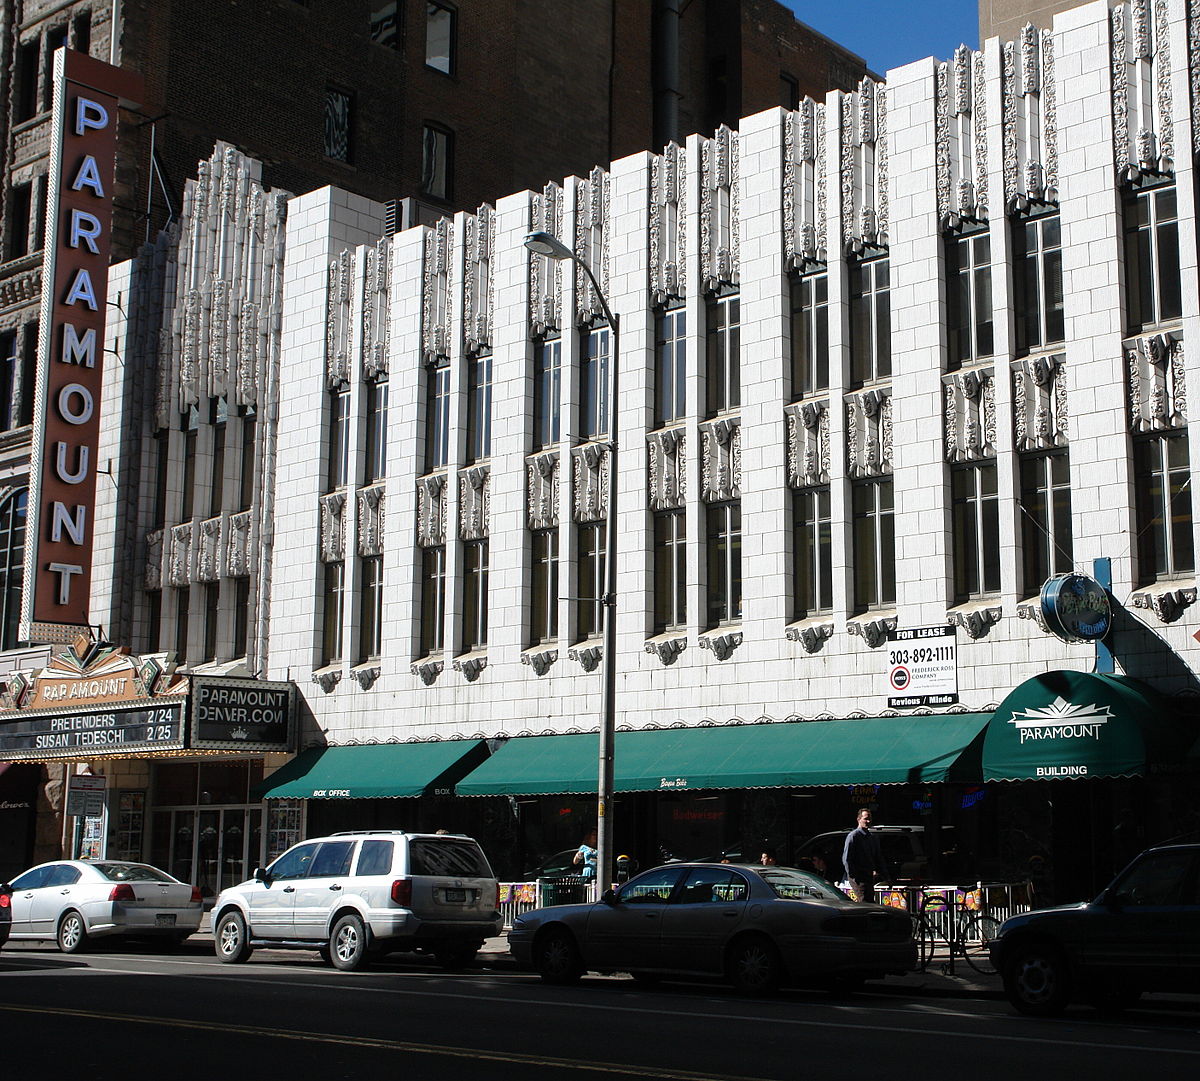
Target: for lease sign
(922,667)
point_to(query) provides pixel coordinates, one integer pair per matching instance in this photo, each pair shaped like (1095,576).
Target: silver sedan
(755,927)
(73,901)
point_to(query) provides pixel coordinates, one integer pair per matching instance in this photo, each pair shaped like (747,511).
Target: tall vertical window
(333,612)
(437,414)
(384,23)
(20,221)
(543,616)
(594,383)
(337,124)
(670,366)
(28,67)
(810,334)
(246,479)
(1038,281)
(370,616)
(433,599)
(339,436)
(56,38)
(870,319)
(591,578)
(475,594)
(812,540)
(437,162)
(191,427)
(153,620)
(216,489)
(975,513)
(1164,507)
(547,393)
(874,544)
(30,337)
(789,91)
(377,424)
(1152,288)
(1046,546)
(162,463)
(183,603)
(439,38)
(241,617)
(724,549)
(724,364)
(479,407)
(969,317)
(670,570)
(10,376)
(12,565)
(212,620)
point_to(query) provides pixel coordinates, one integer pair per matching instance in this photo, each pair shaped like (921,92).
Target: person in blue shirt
(585,858)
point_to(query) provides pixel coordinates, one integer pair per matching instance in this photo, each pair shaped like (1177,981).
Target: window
(475,594)
(439,38)
(12,565)
(10,379)
(592,536)
(182,605)
(437,414)
(56,38)
(975,513)
(812,552)
(543,621)
(374,858)
(479,408)
(83,33)
(1038,281)
(969,297)
(724,563)
(246,486)
(1164,507)
(433,599)
(162,462)
(1046,547)
(789,91)
(332,859)
(370,626)
(670,366)
(31,336)
(810,334)
(212,616)
(1152,290)
(29,58)
(547,393)
(339,436)
(153,620)
(20,221)
(723,384)
(191,426)
(437,162)
(293,864)
(337,124)
(377,423)
(670,570)
(216,490)
(384,26)
(241,617)
(334,607)
(870,320)
(874,544)
(594,384)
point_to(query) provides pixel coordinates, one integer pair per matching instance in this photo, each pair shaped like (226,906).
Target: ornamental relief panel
(805,195)
(864,167)
(1040,403)
(1193,38)
(869,433)
(337,320)
(474,502)
(333,527)
(376,314)
(478,303)
(208,562)
(808,443)
(371,521)
(592,228)
(667,467)
(431,511)
(590,465)
(542,473)
(179,558)
(1154,369)
(721,459)
(1030,115)
(719,229)
(545,274)
(154,559)
(435,290)
(961,126)
(970,415)
(237,552)
(1143,114)
(668,215)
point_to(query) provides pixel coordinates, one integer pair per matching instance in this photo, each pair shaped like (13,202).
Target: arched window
(12,565)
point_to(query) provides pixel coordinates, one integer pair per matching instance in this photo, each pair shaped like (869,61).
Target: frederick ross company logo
(1061,720)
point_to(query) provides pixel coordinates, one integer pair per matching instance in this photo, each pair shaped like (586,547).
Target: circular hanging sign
(1076,608)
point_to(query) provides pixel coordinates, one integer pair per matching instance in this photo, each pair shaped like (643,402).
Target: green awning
(373,771)
(1080,724)
(876,750)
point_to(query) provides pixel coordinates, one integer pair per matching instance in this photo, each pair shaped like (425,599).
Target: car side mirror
(610,898)
(6,887)
(260,875)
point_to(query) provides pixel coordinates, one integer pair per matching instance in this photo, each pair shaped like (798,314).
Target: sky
(890,33)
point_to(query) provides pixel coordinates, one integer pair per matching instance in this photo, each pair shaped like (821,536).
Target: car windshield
(793,885)
(132,872)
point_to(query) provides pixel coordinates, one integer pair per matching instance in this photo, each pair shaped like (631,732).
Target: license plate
(164,919)
(458,896)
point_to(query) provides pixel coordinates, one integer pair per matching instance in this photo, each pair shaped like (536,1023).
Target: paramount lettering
(1061,731)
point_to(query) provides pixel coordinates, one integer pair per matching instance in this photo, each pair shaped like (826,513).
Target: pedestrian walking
(863,858)
(585,857)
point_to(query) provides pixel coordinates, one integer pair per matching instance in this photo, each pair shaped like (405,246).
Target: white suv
(354,895)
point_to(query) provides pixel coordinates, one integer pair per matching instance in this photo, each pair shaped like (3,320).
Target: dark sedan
(5,911)
(756,927)
(1141,934)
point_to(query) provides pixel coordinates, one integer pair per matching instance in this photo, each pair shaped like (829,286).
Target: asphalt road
(132,1013)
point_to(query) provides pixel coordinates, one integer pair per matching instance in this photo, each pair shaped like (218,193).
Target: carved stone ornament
(1040,402)
(179,561)
(371,521)
(863,167)
(668,218)
(1143,120)
(208,562)
(338,325)
(542,473)
(721,643)
(869,433)
(539,659)
(1193,52)
(970,415)
(873,630)
(1030,122)
(431,511)
(592,228)
(721,459)
(237,549)
(545,274)
(719,228)
(591,464)
(474,488)
(810,634)
(807,443)
(435,291)
(667,467)
(1154,368)
(365,675)
(1166,604)
(588,656)
(975,621)
(1032,610)
(428,669)
(376,313)
(478,301)
(470,666)
(667,650)
(154,559)
(805,198)
(327,678)
(333,527)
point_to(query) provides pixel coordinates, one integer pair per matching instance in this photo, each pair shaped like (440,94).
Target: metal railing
(518,897)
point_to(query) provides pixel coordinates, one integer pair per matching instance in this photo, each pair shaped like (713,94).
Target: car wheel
(458,955)
(753,966)
(1037,981)
(230,938)
(348,944)
(556,958)
(72,933)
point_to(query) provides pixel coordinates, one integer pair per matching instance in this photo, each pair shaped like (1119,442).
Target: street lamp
(553,248)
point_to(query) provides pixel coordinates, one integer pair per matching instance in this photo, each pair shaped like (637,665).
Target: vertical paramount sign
(58,552)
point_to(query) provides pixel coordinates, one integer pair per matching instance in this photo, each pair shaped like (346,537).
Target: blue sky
(889,33)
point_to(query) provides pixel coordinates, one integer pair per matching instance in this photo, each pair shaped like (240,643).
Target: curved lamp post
(552,247)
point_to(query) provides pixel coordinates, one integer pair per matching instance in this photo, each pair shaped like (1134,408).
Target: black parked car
(1141,934)
(5,911)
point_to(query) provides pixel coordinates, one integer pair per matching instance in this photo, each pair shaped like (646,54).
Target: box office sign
(242,714)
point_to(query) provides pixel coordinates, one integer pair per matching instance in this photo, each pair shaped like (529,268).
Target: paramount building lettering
(1061,720)
(1061,731)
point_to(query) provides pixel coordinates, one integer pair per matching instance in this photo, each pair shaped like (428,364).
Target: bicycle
(957,917)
